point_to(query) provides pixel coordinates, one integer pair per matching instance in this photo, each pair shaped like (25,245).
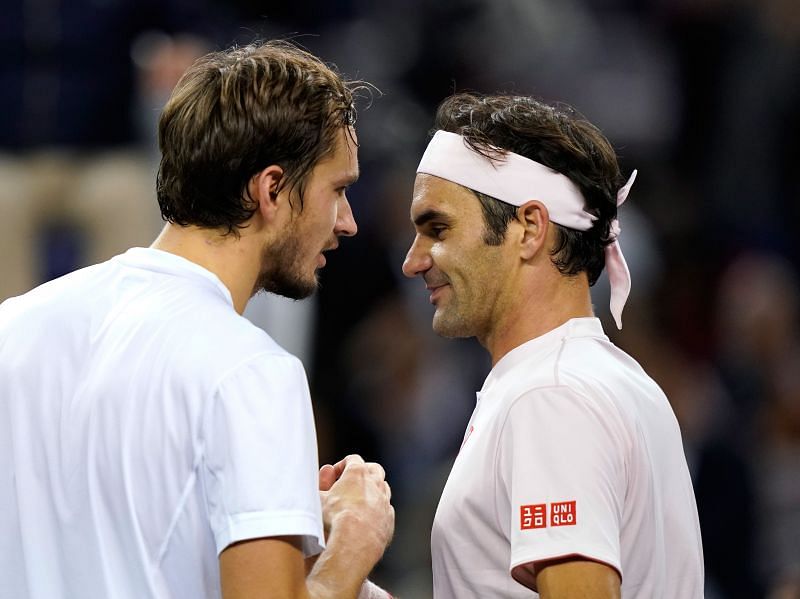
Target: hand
(327,476)
(356,505)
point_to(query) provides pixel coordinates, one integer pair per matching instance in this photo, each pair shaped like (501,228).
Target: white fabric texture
(370,590)
(144,426)
(568,417)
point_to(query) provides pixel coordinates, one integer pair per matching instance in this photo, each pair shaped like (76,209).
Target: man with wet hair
(154,443)
(571,480)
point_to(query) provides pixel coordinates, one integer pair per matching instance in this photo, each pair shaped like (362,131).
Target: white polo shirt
(571,450)
(144,426)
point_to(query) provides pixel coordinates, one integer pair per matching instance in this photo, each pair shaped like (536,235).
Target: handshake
(358,519)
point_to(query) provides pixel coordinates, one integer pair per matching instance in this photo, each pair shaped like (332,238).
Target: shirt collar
(539,346)
(168,263)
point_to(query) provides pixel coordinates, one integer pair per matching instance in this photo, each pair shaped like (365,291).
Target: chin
(452,328)
(302,289)
(295,288)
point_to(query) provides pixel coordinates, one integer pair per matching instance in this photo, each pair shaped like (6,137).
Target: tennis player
(154,443)
(571,480)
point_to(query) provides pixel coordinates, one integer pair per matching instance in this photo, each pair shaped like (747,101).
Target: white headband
(517,180)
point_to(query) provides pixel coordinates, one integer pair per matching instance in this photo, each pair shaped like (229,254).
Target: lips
(322,260)
(436,291)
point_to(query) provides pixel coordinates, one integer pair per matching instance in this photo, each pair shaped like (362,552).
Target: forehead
(343,161)
(433,193)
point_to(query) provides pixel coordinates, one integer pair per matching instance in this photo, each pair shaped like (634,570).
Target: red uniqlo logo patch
(563,513)
(533,516)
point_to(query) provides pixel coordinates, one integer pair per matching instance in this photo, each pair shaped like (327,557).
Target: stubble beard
(282,270)
(449,322)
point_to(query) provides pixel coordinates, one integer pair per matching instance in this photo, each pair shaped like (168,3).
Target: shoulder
(53,311)
(219,344)
(589,387)
(556,405)
(591,395)
(590,367)
(598,369)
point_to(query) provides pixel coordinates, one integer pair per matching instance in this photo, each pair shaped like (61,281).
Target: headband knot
(619,277)
(614,229)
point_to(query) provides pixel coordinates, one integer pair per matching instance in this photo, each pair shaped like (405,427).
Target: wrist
(352,534)
(340,569)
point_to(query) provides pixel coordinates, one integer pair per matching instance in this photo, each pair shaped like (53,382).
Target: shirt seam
(556,362)
(188,487)
(279,352)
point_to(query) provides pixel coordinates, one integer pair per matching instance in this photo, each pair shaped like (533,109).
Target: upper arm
(577,578)
(570,577)
(268,568)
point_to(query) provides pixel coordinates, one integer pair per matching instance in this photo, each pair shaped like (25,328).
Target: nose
(345,221)
(418,259)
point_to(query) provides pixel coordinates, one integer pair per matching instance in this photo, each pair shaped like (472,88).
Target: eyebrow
(429,215)
(347,179)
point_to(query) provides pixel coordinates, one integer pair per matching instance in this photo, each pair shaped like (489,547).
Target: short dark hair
(496,216)
(235,112)
(556,137)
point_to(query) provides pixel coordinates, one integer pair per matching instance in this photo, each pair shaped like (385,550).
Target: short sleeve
(561,467)
(260,470)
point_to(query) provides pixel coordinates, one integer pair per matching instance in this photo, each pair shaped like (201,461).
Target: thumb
(327,476)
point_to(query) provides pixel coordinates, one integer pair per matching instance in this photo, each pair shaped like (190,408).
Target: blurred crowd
(700,96)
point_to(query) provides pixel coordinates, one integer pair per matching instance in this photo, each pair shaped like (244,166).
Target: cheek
(450,256)
(327,220)
(440,253)
(322,225)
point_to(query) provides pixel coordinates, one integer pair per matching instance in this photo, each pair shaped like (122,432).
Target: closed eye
(436,230)
(432,223)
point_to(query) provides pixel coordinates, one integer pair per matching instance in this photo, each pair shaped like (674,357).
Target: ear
(263,190)
(535,221)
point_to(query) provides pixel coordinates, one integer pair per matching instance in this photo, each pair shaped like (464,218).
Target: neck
(233,259)
(538,309)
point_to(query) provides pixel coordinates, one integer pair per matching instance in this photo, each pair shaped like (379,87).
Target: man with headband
(571,480)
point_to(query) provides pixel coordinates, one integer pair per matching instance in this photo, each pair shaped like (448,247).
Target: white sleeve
(260,470)
(562,468)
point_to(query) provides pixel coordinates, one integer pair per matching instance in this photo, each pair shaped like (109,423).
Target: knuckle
(357,468)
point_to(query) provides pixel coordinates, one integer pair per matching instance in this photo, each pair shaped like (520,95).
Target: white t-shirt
(571,450)
(144,426)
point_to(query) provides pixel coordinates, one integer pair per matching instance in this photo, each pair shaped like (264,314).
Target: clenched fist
(356,506)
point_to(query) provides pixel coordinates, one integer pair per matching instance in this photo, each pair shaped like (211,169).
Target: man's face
(289,266)
(464,275)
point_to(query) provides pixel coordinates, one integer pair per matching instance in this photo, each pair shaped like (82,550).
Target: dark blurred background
(701,96)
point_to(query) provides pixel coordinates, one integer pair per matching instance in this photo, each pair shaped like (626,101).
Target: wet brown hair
(235,112)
